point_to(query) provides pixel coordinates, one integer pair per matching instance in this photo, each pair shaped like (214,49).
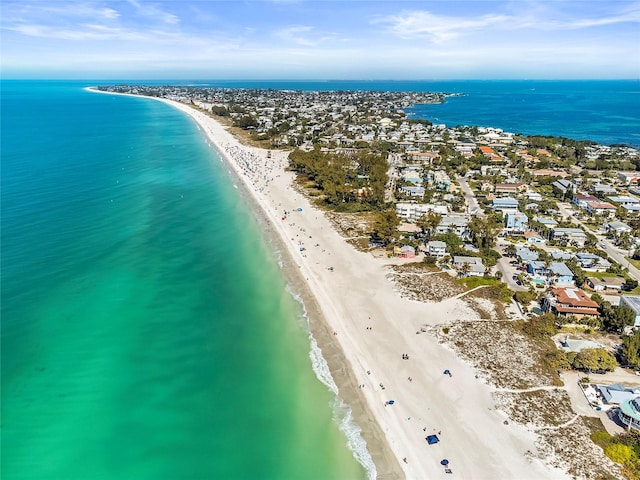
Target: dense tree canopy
(630,350)
(616,318)
(594,359)
(358,179)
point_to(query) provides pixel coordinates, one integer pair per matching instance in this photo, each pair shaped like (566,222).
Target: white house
(413,211)
(436,248)
(476,268)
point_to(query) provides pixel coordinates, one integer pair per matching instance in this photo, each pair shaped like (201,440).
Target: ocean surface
(147,330)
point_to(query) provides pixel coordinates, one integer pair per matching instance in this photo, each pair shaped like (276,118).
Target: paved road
(603,243)
(507,274)
(472,203)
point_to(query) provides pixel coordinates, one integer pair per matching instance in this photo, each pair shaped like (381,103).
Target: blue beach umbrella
(444,462)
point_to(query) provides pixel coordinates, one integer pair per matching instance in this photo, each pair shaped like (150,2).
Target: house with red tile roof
(569,301)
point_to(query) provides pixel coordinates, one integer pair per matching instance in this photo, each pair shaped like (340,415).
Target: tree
(484,231)
(541,326)
(511,250)
(594,359)
(630,350)
(630,284)
(428,223)
(464,269)
(246,122)
(616,318)
(385,226)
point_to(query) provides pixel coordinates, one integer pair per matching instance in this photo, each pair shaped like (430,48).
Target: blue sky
(278,39)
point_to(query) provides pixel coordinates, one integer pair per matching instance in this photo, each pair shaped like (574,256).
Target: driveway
(508,271)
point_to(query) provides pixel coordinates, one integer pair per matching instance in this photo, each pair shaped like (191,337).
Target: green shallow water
(146,328)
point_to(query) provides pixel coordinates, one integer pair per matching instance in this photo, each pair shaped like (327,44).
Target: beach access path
(375,328)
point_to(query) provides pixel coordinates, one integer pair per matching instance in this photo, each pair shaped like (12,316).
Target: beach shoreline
(365,329)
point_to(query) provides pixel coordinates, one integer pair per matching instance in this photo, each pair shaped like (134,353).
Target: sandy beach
(372,340)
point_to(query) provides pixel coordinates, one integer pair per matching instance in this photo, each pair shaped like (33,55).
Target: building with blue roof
(561,273)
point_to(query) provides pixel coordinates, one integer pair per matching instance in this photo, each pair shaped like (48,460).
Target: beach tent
(431,439)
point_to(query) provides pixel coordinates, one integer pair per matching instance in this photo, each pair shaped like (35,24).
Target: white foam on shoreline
(342,414)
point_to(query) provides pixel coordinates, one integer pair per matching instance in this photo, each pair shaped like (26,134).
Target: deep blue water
(604,111)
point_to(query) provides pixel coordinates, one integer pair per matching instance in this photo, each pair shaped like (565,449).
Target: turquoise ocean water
(147,331)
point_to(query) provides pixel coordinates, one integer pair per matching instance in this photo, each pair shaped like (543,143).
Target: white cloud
(437,28)
(295,34)
(442,28)
(152,10)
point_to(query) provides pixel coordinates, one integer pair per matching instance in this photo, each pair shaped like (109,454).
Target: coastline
(363,327)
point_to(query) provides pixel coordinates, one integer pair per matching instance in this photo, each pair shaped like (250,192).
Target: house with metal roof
(436,248)
(616,394)
(561,274)
(606,283)
(475,269)
(573,235)
(617,227)
(525,255)
(504,204)
(592,262)
(623,200)
(629,413)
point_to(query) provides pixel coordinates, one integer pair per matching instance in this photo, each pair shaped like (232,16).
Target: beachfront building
(406,251)
(533,237)
(546,222)
(436,248)
(563,187)
(457,224)
(629,413)
(569,301)
(413,211)
(439,180)
(633,302)
(560,274)
(469,266)
(425,158)
(603,189)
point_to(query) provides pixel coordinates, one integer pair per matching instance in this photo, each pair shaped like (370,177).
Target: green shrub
(602,439)
(619,453)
